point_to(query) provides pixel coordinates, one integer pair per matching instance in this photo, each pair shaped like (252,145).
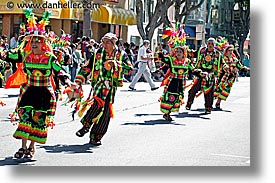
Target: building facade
(106,16)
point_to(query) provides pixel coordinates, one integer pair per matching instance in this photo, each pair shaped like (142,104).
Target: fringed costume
(106,75)
(227,75)
(37,100)
(173,93)
(207,67)
(179,67)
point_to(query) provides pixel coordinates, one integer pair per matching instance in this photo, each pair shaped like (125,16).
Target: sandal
(32,150)
(29,152)
(208,110)
(218,106)
(188,106)
(95,142)
(82,131)
(20,153)
(167,117)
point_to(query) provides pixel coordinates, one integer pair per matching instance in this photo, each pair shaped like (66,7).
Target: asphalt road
(139,136)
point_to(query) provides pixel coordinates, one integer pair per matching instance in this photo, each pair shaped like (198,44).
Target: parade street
(139,136)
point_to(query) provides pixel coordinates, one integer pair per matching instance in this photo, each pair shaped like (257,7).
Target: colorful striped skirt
(33,109)
(170,102)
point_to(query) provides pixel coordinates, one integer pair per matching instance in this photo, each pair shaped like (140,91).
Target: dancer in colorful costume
(207,67)
(106,68)
(179,66)
(227,75)
(37,101)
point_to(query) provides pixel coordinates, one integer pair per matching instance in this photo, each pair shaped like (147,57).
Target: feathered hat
(59,42)
(221,43)
(35,29)
(177,37)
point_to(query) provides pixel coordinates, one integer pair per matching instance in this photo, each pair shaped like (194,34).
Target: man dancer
(207,67)
(106,67)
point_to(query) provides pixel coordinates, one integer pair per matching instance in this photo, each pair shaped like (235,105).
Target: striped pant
(98,129)
(208,98)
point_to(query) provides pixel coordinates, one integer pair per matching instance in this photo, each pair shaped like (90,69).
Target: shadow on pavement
(155,122)
(12,161)
(133,90)
(215,109)
(180,115)
(187,115)
(69,149)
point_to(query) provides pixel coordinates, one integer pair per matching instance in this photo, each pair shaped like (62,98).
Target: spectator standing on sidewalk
(89,50)
(13,41)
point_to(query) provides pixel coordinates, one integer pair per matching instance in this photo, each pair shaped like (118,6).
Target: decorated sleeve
(126,63)
(200,52)
(190,66)
(83,73)
(217,63)
(164,59)
(14,56)
(58,70)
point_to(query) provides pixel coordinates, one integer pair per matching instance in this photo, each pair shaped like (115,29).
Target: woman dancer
(227,75)
(37,101)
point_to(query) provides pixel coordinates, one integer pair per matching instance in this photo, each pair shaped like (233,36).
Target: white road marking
(229,155)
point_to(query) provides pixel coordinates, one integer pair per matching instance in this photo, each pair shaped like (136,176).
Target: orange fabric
(112,112)
(18,78)
(100,101)
(166,78)
(67,90)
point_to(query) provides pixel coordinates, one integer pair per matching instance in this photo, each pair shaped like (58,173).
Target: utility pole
(87,31)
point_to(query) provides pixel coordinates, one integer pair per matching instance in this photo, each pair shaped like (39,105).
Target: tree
(241,22)
(187,6)
(159,15)
(156,17)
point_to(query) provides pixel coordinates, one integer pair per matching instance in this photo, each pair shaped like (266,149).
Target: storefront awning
(118,16)
(102,14)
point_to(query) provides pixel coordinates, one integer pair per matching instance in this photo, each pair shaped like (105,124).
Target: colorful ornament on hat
(64,38)
(177,37)
(222,44)
(32,25)
(22,29)
(44,22)
(31,19)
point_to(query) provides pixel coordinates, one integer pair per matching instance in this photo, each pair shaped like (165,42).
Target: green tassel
(96,120)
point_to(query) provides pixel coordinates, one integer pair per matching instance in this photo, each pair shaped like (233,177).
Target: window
(135,39)
(132,5)
(17,19)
